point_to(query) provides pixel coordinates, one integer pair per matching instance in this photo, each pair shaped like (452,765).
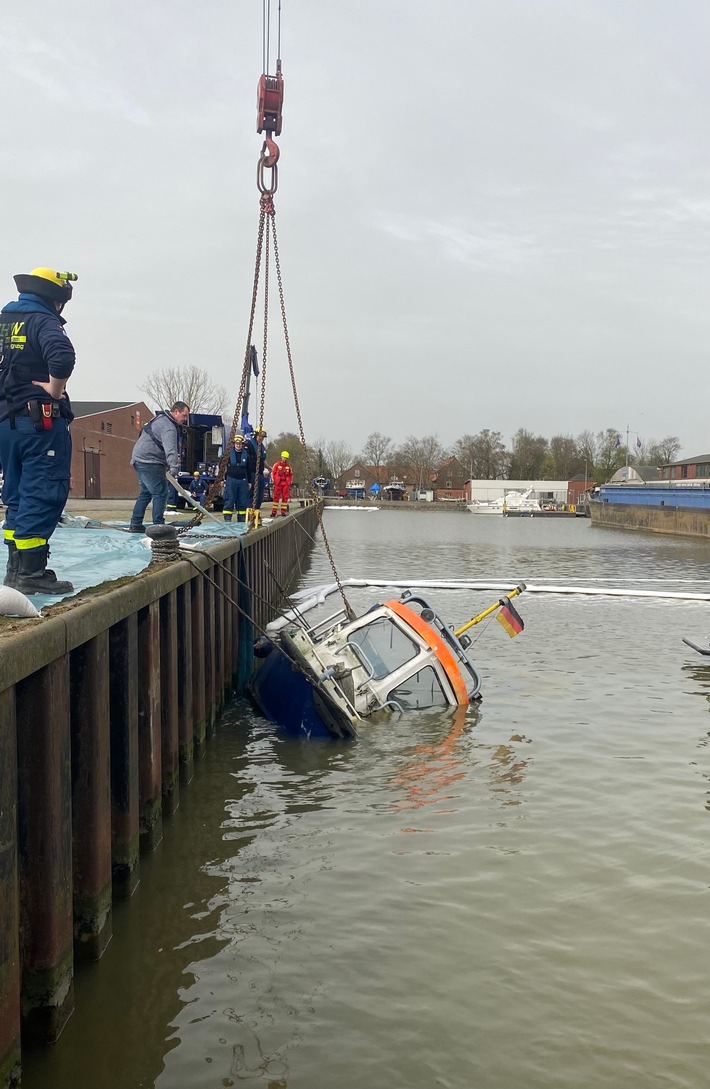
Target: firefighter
(37,359)
(281,476)
(239,480)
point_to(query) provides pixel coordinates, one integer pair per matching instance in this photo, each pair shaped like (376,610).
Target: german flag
(509,618)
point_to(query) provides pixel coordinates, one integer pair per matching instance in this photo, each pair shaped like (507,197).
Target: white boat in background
(510,503)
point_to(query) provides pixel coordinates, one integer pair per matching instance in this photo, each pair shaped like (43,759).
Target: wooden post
(149,727)
(91,797)
(9,898)
(45,838)
(123,657)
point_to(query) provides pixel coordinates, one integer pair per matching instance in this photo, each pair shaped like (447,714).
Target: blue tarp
(90,556)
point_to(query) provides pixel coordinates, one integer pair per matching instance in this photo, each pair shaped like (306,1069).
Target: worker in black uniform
(238,480)
(36,359)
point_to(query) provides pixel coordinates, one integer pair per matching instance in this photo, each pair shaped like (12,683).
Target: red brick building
(449,482)
(697,468)
(103,435)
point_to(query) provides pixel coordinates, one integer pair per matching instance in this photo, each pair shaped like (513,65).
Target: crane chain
(197,518)
(309,470)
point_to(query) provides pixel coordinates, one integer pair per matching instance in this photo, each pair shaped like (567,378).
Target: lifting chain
(309,470)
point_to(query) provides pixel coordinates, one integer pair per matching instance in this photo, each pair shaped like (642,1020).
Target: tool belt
(40,414)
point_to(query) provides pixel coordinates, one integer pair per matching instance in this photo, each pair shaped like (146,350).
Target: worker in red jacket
(281,477)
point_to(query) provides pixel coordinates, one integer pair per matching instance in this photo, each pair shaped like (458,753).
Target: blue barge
(670,507)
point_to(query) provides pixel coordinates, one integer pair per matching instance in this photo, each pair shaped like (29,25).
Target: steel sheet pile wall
(104,706)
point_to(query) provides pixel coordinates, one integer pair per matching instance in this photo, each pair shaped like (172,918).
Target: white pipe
(311,597)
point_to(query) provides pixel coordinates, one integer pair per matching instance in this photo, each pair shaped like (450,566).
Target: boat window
(422,689)
(384,645)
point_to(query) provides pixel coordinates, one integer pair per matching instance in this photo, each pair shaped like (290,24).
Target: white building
(545,491)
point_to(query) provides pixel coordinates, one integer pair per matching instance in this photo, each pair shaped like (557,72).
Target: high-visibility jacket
(282,473)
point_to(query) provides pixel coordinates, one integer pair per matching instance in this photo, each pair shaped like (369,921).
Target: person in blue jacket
(36,360)
(239,480)
(262,472)
(199,486)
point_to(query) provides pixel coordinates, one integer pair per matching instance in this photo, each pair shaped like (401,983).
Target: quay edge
(104,707)
(668,520)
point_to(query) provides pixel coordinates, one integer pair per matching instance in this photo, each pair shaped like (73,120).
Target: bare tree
(611,454)
(420,456)
(527,456)
(192,385)
(377,449)
(338,457)
(588,447)
(665,451)
(563,460)
(484,456)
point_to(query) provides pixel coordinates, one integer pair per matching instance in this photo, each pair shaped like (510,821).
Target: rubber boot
(228,517)
(13,564)
(34,577)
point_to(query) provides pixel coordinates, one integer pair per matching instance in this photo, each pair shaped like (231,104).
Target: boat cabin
(398,656)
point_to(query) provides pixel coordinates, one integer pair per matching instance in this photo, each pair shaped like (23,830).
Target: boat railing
(318,631)
(365,662)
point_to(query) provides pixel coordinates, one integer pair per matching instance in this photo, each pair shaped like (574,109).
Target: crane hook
(272,148)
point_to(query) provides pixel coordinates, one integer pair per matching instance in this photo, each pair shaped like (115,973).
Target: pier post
(91,797)
(45,860)
(125,833)
(9,899)
(149,727)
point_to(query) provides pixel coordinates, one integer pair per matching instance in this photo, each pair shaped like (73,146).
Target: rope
(311,677)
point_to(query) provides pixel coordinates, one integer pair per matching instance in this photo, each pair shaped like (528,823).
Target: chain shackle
(267,162)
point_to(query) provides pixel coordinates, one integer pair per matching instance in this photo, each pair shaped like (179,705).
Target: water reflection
(509,770)
(433,768)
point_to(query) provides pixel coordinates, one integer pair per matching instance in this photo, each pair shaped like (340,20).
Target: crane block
(269,103)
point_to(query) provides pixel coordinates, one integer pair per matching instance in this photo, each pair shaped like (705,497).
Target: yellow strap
(9,534)
(30,542)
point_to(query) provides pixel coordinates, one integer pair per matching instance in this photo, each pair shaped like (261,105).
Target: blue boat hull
(287,698)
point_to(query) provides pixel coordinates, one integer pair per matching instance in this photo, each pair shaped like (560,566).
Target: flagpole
(627,450)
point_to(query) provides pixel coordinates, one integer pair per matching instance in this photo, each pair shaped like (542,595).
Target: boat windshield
(384,646)
(423,689)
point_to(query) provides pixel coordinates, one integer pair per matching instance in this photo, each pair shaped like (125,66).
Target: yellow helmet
(284,453)
(47,283)
(195,473)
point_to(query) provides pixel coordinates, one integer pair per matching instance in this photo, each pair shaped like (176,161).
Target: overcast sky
(490,214)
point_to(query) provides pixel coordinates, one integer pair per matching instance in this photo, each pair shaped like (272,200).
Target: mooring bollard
(164,544)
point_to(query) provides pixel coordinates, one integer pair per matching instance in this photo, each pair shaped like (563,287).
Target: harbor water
(516,896)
